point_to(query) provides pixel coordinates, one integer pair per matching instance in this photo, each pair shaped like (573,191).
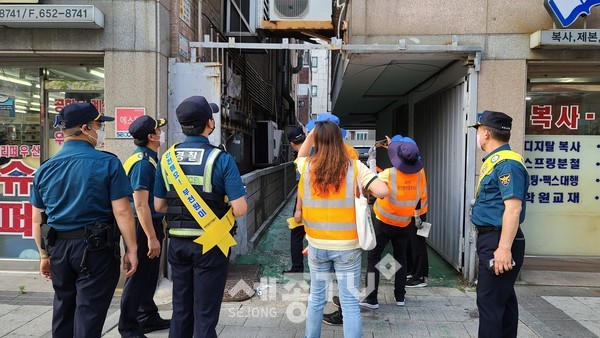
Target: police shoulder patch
(505,179)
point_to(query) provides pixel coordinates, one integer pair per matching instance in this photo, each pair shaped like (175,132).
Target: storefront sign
(565,12)
(124,117)
(60,103)
(51,16)
(558,154)
(581,38)
(184,47)
(23,150)
(185,11)
(20,1)
(16,179)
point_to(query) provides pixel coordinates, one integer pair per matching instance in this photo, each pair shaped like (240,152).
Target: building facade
(427,68)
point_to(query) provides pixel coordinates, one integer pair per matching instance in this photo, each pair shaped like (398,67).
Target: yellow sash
(491,162)
(216,230)
(133,159)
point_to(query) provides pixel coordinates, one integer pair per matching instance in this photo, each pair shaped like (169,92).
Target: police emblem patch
(505,179)
(495,158)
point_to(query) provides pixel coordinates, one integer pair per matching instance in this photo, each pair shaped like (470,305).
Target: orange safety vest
(330,217)
(406,190)
(351,151)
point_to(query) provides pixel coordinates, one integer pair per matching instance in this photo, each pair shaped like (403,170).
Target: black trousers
(198,286)
(399,237)
(296,246)
(417,260)
(496,298)
(81,300)
(137,301)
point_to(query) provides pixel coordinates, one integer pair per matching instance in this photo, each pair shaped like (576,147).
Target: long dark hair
(329,163)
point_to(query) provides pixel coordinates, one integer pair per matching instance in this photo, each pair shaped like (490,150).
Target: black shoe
(416,282)
(370,304)
(400,302)
(137,336)
(334,318)
(336,301)
(292,270)
(156,325)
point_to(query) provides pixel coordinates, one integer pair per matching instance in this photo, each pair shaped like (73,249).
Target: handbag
(364,223)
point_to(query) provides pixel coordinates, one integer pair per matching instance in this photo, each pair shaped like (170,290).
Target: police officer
(296,137)
(193,182)
(139,313)
(498,210)
(82,191)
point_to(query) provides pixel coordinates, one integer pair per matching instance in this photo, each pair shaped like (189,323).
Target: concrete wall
(267,191)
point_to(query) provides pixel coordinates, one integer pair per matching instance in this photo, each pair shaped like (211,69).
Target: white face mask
(479,143)
(101,136)
(162,137)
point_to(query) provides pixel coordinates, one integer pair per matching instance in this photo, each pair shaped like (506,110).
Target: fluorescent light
(97,73)
(36,96)
(20,111)
(21,101)
(34,108)
(528,98)
(20,107)
(17,81)
(33,103)
(37,86)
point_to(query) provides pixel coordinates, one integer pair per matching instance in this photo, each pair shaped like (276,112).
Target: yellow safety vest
(331,217)
(406,190)
(216,230)
(490,163)
(133,159)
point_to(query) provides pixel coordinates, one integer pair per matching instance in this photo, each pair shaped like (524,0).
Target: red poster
(124,117)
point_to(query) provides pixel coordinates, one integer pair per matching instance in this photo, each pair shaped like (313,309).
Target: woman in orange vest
(327,188)
(395,214)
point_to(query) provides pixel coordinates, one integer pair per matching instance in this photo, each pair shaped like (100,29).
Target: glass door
(30,100)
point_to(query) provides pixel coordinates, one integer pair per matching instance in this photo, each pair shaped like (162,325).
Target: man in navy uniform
(139,313)
(498,211)
(199,188)
(83,192)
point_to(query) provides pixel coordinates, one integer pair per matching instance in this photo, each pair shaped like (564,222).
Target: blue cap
(325,117)
(145,125)
(195,109)
(76,114)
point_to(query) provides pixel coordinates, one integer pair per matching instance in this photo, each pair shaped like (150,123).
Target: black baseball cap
(494,119)
(296,135)
(76,114)
(195,109)
(144,125)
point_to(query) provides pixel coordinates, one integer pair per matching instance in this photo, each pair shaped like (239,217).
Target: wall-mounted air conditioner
(300,10)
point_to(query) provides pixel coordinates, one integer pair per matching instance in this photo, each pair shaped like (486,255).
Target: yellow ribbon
(489,164)
(216,229)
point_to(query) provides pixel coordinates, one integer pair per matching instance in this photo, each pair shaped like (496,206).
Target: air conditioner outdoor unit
(300,10)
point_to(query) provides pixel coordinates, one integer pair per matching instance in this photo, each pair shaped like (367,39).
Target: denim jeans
(347,269)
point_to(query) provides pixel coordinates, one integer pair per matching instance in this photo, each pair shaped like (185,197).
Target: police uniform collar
(502,147)
(77,144)
(196,138)
(147,151)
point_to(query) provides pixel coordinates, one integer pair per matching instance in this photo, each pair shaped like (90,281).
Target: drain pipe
(285,86)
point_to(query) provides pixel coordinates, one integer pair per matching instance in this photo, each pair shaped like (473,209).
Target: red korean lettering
(541,116)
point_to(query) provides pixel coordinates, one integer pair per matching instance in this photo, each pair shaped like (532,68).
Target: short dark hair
(194,129)
(497,134)
(141,143)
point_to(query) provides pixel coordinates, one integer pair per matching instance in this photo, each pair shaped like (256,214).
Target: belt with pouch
(486,229)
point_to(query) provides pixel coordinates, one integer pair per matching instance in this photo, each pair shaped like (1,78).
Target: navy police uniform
(75,188)
(138,309)
(198,279)
(496,298)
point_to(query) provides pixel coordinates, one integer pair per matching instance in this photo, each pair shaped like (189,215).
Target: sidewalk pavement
(545,311)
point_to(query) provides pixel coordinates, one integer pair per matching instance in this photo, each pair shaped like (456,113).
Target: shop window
(314,62)
(313,91)
(27,94)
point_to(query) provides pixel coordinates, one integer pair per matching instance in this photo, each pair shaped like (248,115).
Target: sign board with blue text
(565,12)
